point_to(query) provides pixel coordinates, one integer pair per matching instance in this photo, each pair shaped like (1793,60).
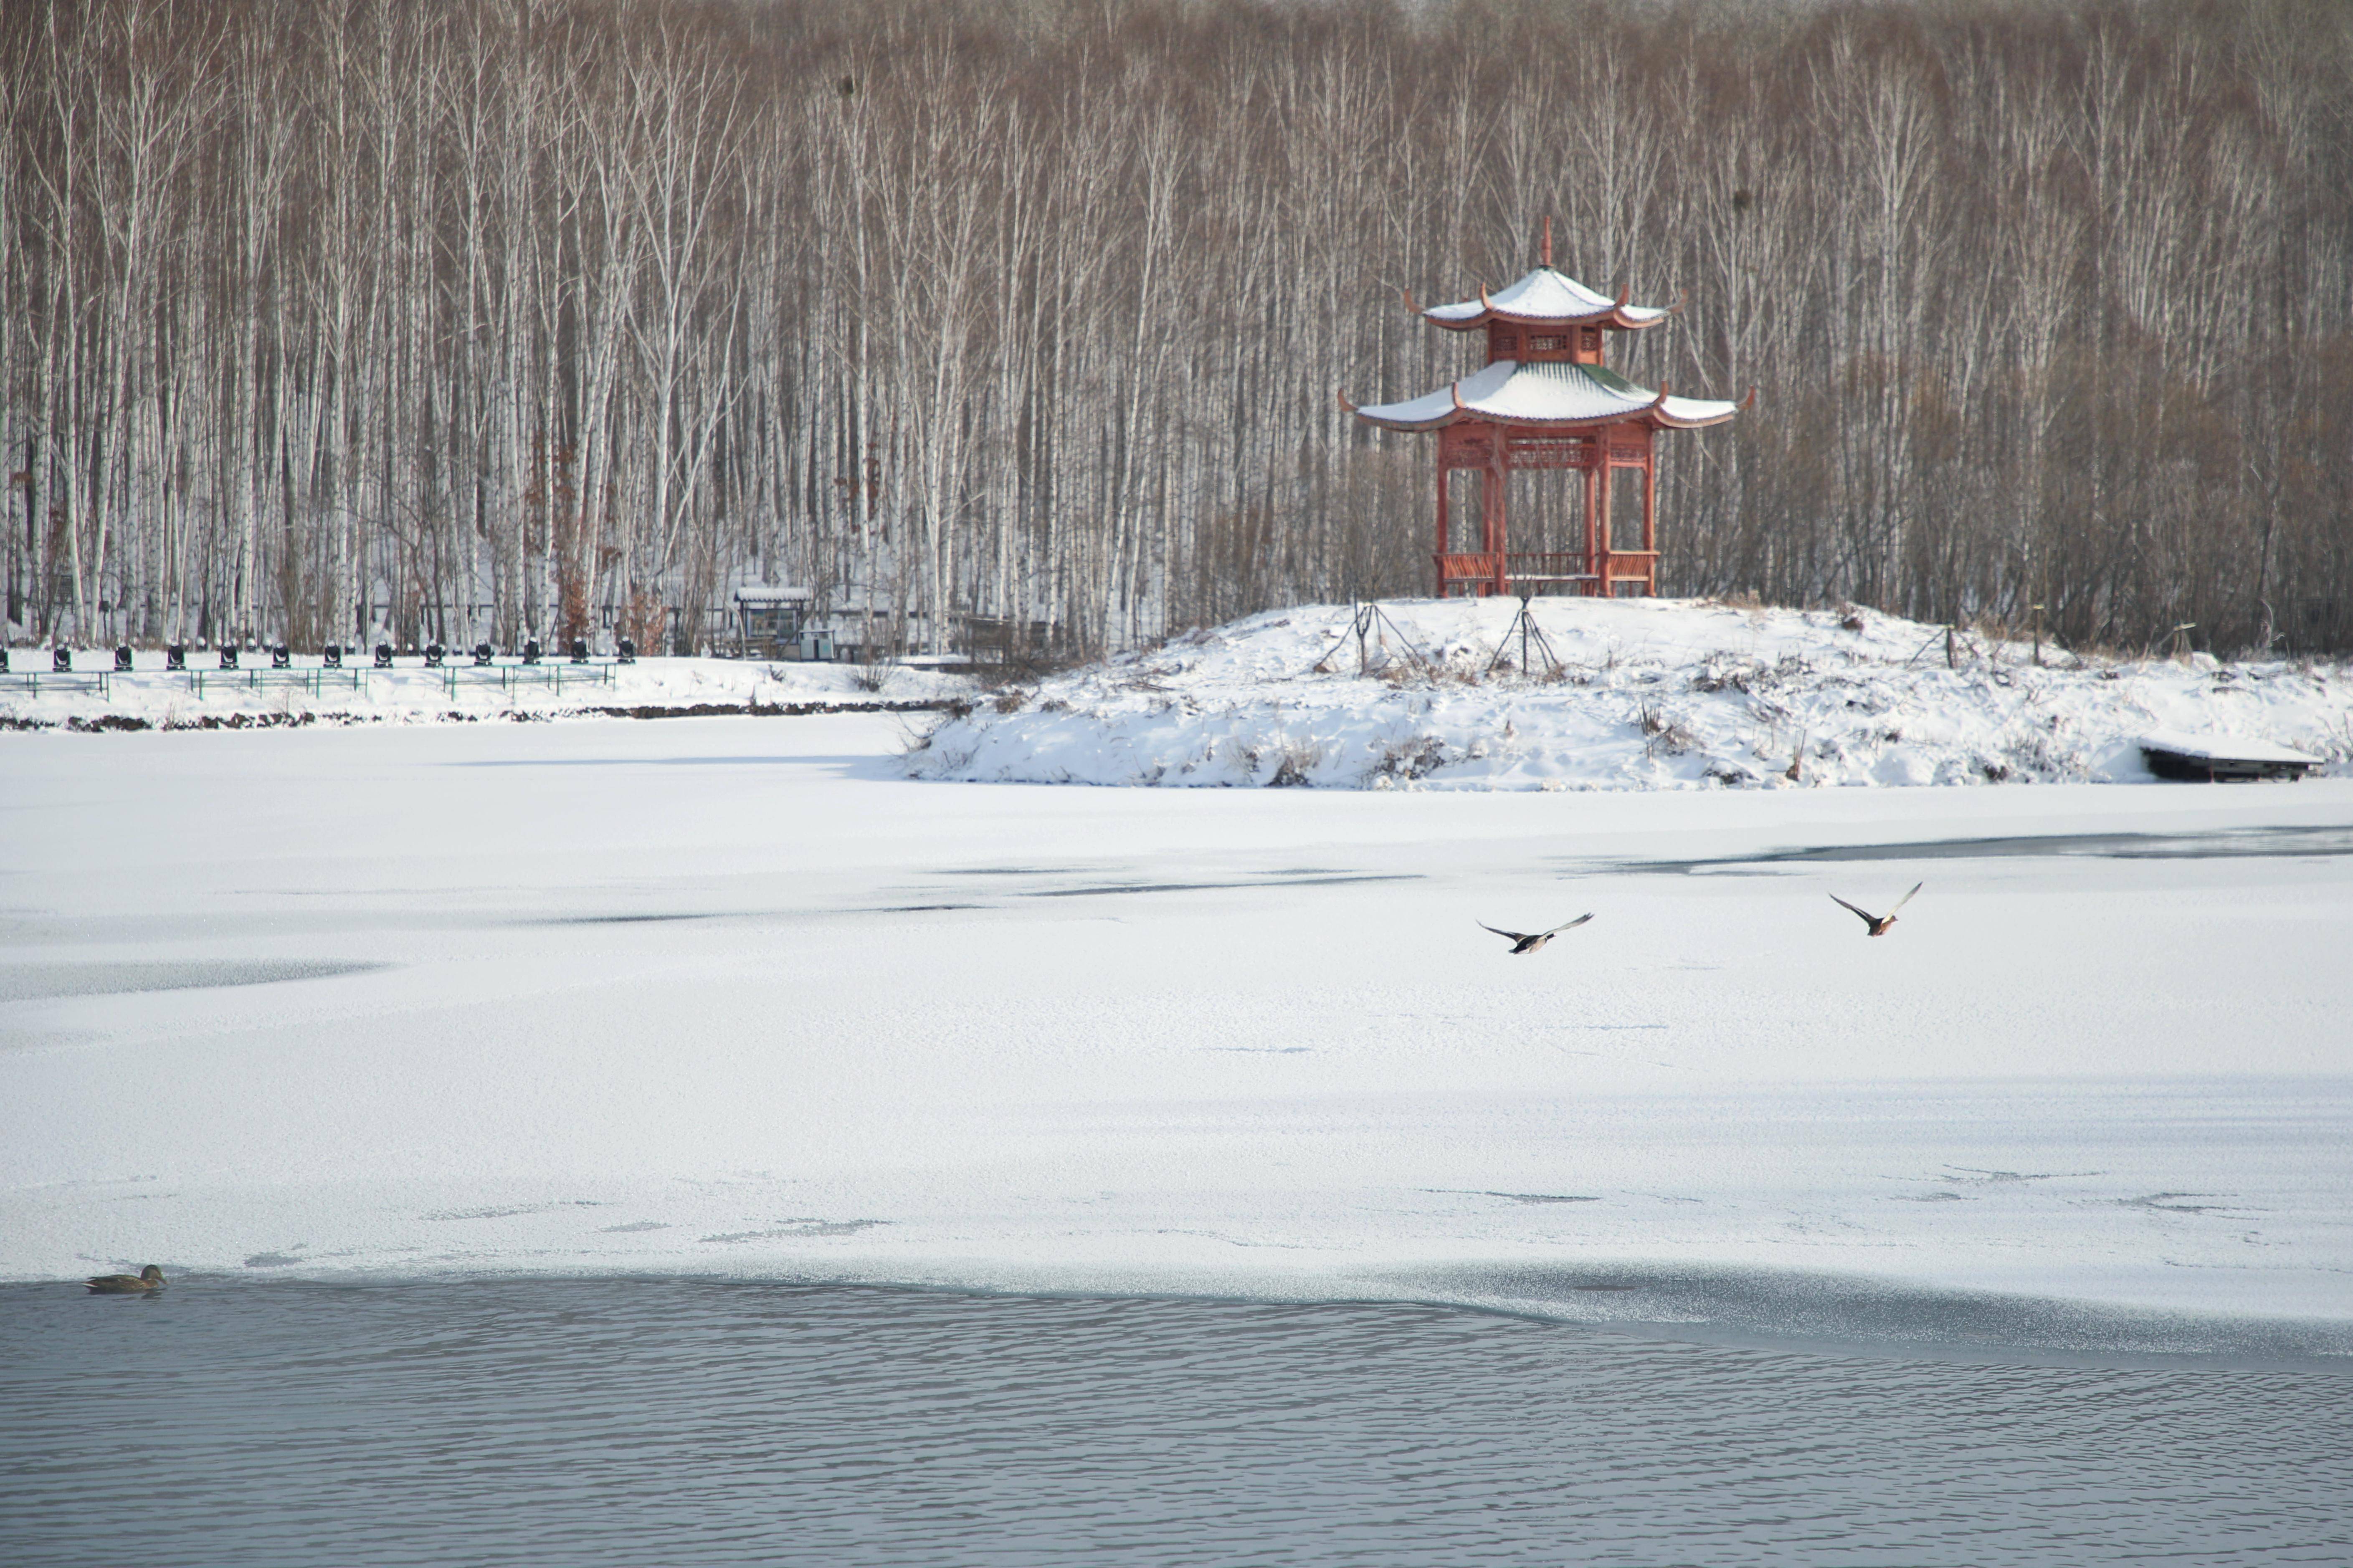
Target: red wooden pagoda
(1546,401)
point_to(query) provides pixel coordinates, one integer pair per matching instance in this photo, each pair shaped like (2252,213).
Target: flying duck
(1879,924)
(1528,942)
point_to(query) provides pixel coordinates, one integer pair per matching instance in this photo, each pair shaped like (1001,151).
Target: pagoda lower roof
(1549,395)
(1544,298)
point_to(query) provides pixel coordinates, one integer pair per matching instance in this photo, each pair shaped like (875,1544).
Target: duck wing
(1867,917)
(1907,898)
(1570,926)
(1507,935)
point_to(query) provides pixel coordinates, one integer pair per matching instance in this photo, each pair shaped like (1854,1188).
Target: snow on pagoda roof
(1552,394)
(1544,296)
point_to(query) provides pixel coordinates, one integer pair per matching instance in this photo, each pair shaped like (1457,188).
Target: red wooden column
(1650,513)
(1492,500)
(1592,502)
(1601,566)
(1445,529)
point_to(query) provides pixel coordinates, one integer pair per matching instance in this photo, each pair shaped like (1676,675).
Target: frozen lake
(615,1421)
(731,997)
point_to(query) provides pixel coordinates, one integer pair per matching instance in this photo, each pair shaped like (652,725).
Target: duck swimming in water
(148,1279)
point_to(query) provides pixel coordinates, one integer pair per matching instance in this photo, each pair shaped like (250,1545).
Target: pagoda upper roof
(1544,298)
(1548,396)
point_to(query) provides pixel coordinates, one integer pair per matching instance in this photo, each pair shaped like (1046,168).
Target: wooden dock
(2216,759)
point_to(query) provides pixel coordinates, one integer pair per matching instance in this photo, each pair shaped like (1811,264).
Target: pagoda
(1545,400)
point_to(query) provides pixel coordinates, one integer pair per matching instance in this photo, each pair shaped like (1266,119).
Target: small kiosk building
(768,620)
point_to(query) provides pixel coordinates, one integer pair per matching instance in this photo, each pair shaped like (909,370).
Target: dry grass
(1299,759)
(1409,758)
(1661,734)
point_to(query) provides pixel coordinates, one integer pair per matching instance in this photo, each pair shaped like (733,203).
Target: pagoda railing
(1468,566)
(1547,566)
(1498,572)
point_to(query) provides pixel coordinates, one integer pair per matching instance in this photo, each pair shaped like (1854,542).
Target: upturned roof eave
(1546,396)
(1619,316)
(1573,305)
(1653,415)
(1666,421)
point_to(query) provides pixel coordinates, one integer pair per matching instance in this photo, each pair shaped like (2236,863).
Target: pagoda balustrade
(1521,571)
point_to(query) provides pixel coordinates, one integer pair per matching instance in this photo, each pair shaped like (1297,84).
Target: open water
(646,1423)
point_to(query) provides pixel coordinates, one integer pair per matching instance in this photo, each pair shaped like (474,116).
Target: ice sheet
(735,997)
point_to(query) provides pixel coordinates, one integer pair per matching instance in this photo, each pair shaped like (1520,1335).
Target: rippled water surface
(643,1422)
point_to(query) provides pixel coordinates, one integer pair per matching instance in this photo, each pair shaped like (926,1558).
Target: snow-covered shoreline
(1618,694)
(96,698)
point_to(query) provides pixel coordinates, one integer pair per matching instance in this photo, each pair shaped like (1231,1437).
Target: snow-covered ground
(1621,694)
(734,995)
(205,696)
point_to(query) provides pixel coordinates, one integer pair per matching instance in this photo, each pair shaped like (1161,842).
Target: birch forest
(328,320)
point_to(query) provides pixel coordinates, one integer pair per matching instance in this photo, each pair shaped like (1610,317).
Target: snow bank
(1618,694)
(149,697)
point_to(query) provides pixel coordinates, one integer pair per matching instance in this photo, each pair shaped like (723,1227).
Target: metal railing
(507,676)
(313,682)
(314,679)
(32,681)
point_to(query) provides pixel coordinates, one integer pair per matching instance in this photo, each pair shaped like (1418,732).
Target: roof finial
(1544,255)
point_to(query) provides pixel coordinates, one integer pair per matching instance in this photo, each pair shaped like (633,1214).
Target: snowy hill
(1618,694)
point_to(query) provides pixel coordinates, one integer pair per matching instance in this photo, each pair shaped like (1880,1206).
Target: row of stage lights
(436,657)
